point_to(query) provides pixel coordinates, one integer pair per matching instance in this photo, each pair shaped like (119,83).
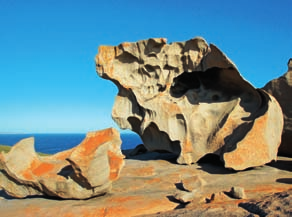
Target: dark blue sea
(53,143)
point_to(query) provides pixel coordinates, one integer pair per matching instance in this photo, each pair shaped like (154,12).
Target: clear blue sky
(47,50)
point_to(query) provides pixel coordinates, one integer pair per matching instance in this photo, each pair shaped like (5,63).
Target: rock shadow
(149,155)
(180,205)
(212,164)
(171,198)
(284,180)
(282,165)
(6,196)
(253,208)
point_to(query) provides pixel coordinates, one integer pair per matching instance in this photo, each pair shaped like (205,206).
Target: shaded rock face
(188,98)
(82,172)
(281,89)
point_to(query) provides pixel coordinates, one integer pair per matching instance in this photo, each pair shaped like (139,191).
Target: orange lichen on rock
(95,139)
(84,171)
(258,138)
(43,168)
(37,168)
(116,162)
(134,195)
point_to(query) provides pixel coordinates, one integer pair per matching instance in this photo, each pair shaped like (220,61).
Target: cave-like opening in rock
(184,82)
(210,79)
(211,159)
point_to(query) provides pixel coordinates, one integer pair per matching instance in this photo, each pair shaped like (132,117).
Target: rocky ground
(152,184)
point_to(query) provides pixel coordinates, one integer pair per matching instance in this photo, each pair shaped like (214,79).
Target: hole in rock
(215,97)
(183,83)
(211,159)
(130,140)
(127,57)
(210,79)
(158,140)
(161,88)
(66,171)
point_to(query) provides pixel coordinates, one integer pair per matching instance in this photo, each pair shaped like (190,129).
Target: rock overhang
(189,98)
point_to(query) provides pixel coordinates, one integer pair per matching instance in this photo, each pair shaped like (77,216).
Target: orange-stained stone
(141,171)
(49,175)
(134,195)
(42,169)
(246,150)
(90,144)
(124,199)
(27,175)
(126,44)
(188,146)
(116,162)
(154,180)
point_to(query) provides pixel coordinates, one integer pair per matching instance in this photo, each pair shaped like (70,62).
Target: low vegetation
(6,148)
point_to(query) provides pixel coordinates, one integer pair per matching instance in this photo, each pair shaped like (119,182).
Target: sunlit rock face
(188,98)
(82,172)
(281,89)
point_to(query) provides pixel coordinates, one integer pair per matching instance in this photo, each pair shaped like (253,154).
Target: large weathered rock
(281,89)
(188,98)
(82,172)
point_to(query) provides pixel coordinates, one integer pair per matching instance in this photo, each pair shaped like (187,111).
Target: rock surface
(237,192)
(82,172)
(146,187)
(281,89)
(188,98)
(278,204)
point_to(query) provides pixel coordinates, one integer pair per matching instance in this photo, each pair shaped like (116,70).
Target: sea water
(53,143)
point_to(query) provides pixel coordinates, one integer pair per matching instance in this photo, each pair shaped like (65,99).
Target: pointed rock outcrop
(188,98)
(82,172)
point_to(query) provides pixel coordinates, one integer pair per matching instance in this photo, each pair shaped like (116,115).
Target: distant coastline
(51,143)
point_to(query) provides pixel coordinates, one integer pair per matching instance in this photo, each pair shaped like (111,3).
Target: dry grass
(6,148)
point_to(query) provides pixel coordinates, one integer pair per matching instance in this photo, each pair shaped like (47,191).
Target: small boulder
(193,183)
(185,196)
(237,193)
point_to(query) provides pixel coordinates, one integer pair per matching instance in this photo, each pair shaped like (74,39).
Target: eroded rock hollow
(82,172)
(188,98)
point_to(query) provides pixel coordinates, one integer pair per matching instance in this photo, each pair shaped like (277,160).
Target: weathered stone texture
(82,172)
(148,184)
(281,89)
(188,98)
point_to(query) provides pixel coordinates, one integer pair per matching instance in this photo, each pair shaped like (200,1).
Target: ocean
(53,143)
